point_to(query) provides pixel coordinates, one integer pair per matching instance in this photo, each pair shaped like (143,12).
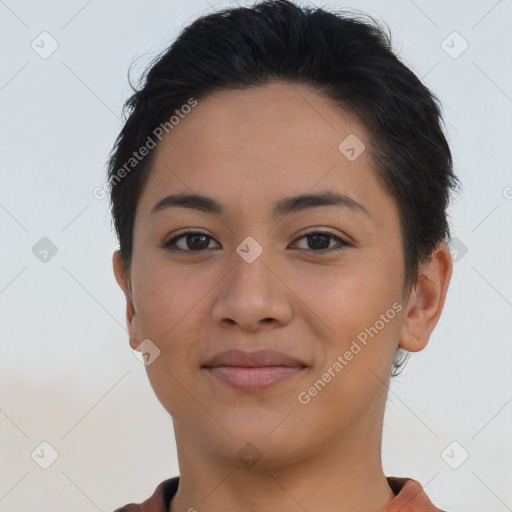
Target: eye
(193,242)
(197,242)
(321,240)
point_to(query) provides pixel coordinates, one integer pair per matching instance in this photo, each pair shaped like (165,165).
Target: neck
(344,477)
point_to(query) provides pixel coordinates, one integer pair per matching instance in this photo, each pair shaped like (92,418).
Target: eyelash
(343,244)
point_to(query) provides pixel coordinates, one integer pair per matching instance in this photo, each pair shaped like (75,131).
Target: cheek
(171,315)
(360,305)
(169,299)
(349,296)
(362,310)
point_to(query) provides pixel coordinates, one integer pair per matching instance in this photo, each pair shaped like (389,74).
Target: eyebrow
(282,207)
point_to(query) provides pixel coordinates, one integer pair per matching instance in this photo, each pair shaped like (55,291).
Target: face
(318,281)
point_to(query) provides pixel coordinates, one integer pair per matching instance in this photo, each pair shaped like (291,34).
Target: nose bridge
(251,291)
(251,267)
(251,278)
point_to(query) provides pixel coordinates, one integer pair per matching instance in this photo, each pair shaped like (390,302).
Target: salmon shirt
(409,497)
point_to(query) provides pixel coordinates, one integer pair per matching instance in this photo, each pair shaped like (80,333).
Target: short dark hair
(340,56)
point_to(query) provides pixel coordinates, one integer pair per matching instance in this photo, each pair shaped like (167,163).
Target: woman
(279,193)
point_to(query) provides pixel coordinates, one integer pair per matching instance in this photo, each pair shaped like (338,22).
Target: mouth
(253,371)
(254,378)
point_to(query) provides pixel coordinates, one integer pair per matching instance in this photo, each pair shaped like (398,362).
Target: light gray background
(67,373)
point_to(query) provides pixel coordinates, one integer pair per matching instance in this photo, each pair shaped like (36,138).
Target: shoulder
(158,501)
(409,496)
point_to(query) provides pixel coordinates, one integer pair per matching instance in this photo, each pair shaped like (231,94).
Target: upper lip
(258,358)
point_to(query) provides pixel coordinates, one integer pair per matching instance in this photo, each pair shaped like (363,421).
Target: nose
(253,296)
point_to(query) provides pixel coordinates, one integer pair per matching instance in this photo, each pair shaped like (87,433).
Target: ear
(426,300)
(125,285)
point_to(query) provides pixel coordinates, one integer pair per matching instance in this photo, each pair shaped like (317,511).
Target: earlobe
(131,315)
(426,300)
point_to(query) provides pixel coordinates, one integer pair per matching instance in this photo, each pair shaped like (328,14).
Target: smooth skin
(248,149)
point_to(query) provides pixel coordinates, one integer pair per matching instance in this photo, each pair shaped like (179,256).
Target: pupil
(326,238)
(196,237)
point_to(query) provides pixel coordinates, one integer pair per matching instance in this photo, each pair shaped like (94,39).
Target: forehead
(283,116)
(261,143)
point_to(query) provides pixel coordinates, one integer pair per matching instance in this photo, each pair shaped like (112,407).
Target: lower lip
(253,379)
